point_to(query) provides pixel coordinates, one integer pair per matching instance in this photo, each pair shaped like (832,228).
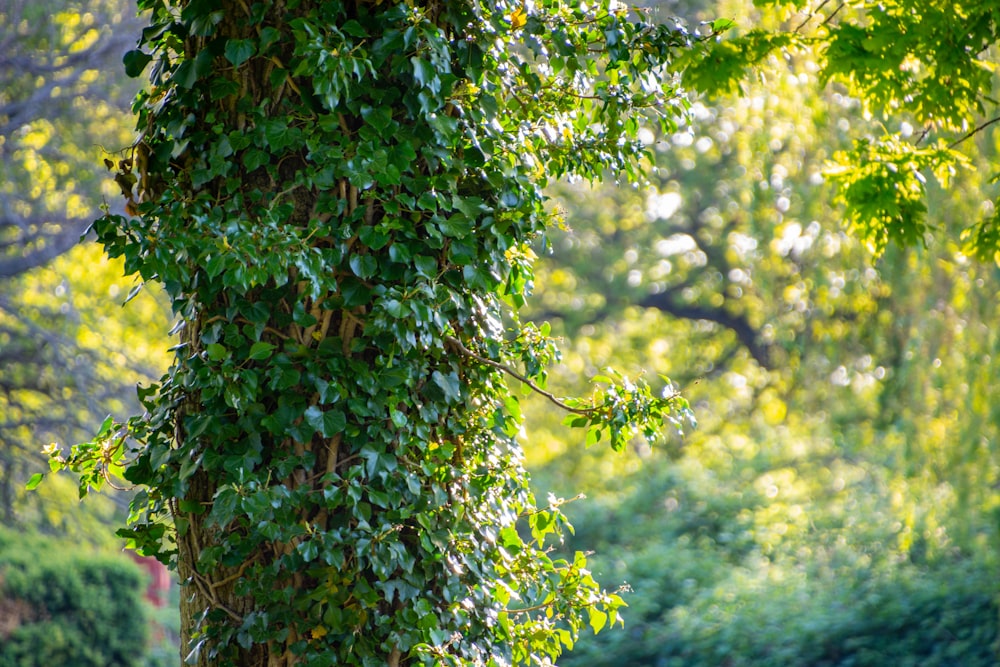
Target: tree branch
(738,324)
(974,132)
(40,249)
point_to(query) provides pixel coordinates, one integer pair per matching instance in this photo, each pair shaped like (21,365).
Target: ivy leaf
(326,423)
(456,226)
(185,75)
(238,51)
(280,135)
(135,62)
(216,351)
(261,350)
(449,385)
(355,293)
(425,74)
(364,266)
(426,266)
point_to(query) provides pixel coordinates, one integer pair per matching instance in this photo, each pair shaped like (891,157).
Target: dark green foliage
(703,595)
(68,608)
(944,617)
(339,199)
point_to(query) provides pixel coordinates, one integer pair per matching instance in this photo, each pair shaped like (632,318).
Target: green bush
(906,617)
(701,599)
(60,606)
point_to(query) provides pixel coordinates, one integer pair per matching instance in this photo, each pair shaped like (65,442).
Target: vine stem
(513,373)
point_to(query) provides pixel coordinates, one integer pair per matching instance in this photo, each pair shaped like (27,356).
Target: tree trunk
(341,211)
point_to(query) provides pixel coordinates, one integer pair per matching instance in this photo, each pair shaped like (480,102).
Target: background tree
(52,56)
(68,353)
(68,356)
(746,545)
(63,604)
(926,67)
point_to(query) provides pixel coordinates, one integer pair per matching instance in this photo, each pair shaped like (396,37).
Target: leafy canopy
(926,68)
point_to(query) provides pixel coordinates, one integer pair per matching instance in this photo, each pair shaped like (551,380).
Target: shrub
(61,606)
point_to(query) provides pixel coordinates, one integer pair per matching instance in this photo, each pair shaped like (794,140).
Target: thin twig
(923,135)
(233,577)
(974,132)
(835,12)
(811,15)
(513,373)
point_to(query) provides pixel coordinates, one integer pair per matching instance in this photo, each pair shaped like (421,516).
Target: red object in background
(159,578)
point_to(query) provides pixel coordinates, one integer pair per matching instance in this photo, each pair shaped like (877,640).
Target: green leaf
(216,351)
(426,266)
(424,74)
(456,226)
(598,619)
(354,29)
(364,266)
(261,350)
(398,418)
(105,428)
(449,384)
(135,62)
(191,506)
(185,76)
(719,26)
(379,118)
(254,158)
(280,135)
(34,481)
(238,51)
(221,87)
(355,293)
(326,423)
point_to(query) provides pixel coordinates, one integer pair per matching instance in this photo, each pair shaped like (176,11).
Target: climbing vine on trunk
(340,198)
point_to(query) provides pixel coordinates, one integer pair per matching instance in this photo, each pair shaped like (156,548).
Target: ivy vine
(340,199)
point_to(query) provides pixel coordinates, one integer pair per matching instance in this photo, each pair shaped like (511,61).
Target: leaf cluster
(925,68)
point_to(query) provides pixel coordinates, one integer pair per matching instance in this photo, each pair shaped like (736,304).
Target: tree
(63,604)
(51,55)
(339,199)
(925,69)
(873,425)
(58,375)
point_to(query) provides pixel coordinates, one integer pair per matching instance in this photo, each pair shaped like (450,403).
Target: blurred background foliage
(67,604)
(839,502)
(69,353)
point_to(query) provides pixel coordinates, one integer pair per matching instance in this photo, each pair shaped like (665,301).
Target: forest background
(839,502)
